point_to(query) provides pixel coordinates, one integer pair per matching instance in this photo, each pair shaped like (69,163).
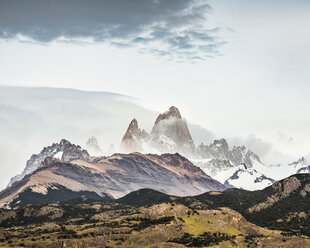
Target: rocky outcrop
(63,150)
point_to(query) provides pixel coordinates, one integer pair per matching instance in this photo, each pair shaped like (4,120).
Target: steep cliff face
(63,150)
(170,133)
(113,176)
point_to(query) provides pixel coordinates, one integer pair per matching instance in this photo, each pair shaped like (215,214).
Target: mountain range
(107,177)
(237,167)
(162,191)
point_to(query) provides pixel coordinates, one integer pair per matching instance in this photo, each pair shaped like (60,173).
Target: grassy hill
(277,216)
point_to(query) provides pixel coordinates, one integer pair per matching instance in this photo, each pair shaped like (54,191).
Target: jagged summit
(302,162)
(133,138)
(221,143)
(133,129)
(170,133)
(63,150)
(93,147)
(114,176)
(173,112)
(219,149)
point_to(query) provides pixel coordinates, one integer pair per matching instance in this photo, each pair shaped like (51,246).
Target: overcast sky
(238,68)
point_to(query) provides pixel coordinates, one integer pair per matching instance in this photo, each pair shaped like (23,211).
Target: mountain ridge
(115,176)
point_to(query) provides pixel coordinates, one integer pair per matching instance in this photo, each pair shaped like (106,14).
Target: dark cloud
(174,28)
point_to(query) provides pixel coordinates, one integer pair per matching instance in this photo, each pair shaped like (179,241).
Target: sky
(238,68)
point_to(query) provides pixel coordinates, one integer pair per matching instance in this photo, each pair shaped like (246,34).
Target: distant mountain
(247,178)
(112,176)
(301,163)
(281,171)
(238,167)
(63,150)
(134,138)
(219,150)
(304,170)
(93,147)
(170,133)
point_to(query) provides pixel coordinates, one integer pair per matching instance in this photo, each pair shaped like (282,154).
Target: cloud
(267,151)
(167,28)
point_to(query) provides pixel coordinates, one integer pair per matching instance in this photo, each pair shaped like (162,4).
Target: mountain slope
(115,176)
(285,205)
(114,223)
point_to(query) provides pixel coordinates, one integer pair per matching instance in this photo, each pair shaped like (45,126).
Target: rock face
(171,134)
(63,150)
(113,176)
(93,147)
(133,138)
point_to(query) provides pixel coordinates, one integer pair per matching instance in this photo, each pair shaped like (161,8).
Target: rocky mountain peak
(133,138)
(222,143)
(219,152)
(302,162)
(170,133)
(63,150)
(64,143)
(133,129)
(173,112)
